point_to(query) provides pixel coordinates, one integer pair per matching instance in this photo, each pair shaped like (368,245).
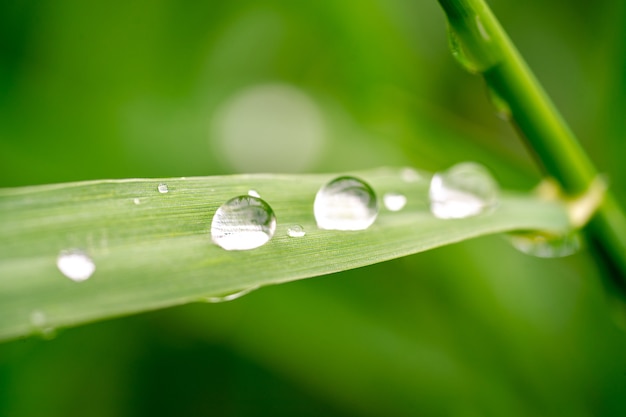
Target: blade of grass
(154,250)
(482,45)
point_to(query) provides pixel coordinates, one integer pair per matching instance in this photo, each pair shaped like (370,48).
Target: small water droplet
(254,193)
(472,56)
(345,203)
(410,175)
(243,223)
(163,189)
(37,318)
(75,265)
(394,201)
(460,54)
(136,201)
(545,245)
(232,296)
(296,231)
(465,190)
(39,321)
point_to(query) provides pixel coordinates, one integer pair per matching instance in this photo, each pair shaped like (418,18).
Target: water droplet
(460,54)
(465,190)
(545,245)
(37,318)
(410,175)
(75,265)
(40,324)
(163,188)
(296,231)
(243,223)
(472,56)
(345,203)
(254,193)
(232,296)
(394,201)
(136,201)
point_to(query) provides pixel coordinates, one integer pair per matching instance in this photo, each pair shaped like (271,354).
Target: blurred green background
(163,88)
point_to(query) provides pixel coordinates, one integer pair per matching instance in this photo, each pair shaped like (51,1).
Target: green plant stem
(485,43)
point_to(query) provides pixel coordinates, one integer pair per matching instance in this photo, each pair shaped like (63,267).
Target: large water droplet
(243,223)
(75,265)
(545,245)
(232,296)
(465,190)
(394,201)
(163,189)
(345,203)
(296,231)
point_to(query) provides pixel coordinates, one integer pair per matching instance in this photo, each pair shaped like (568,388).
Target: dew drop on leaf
(394,201)
(75,264)
(409,175)
(163,188)
(467,189)
(39,322)
(296,231)
(345,203)
(231,296)
(243,223)
(545,245)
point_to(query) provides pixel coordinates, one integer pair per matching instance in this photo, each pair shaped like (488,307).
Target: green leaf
(154,250)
